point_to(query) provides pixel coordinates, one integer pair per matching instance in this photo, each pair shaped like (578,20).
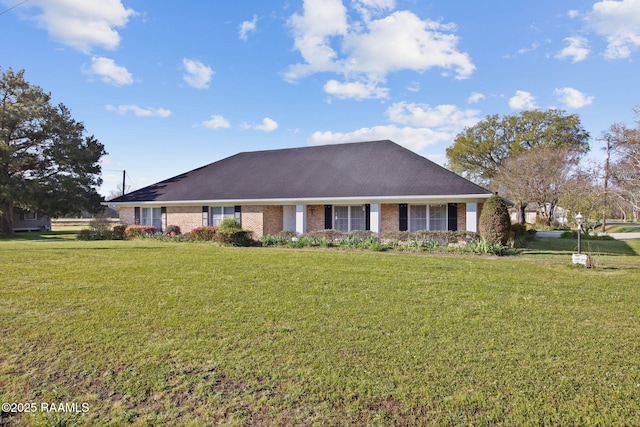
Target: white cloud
(197,74)
(82,24)
(443,117)
(109,72)
(573,98)
(577,49)
(248,27)
(268,125)
(522,101)
(573,13)
(619,23)
(415,126)
(475,97)
(368,50)
(216,122)
(355,90)
(138,111)
(412,138)
(370,8)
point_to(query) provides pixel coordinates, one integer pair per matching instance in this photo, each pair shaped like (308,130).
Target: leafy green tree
(47,164)
(480,150)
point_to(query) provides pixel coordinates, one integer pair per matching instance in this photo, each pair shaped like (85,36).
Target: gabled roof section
(363,169)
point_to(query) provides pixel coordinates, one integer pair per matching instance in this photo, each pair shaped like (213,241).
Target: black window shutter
(367,216)
(205,216)
(328,217)
(136,215)
(403,217)
(452,216)
(163,218)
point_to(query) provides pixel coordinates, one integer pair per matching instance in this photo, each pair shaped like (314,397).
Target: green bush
(119,232)
(203,233)
(495,224)
(133,231)
(280,239)
(230,224)
(173,230)
(235,237)
(519,230)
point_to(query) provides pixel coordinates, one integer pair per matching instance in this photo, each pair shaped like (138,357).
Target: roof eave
(452,198)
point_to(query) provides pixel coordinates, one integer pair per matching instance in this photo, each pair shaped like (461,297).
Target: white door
(289,218)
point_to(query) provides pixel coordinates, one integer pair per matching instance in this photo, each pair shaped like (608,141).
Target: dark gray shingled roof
(364,169)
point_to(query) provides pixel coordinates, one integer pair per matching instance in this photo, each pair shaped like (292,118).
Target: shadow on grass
(40,235)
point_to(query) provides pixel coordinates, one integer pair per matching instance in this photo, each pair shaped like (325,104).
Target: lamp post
(579,218)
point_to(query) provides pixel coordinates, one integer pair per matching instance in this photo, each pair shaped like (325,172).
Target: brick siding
(273,219)
(185,217)
(390,220)
(252,219)
(462,216)
(315,217)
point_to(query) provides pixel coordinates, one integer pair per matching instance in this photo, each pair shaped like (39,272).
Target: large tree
(47,163)
(479,151)
(539,175)
(624,141)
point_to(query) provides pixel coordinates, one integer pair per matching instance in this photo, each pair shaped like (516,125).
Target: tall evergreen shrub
(495,224)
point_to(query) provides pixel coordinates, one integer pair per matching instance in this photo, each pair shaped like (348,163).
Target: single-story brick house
(378,186)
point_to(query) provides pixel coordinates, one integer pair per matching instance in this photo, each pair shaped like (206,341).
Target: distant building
(24,220)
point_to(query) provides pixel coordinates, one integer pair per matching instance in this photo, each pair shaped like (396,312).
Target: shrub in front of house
(229,224)
(494,223)
(133,231)
(235,237)
(118,232)
(172,230)
(203,234)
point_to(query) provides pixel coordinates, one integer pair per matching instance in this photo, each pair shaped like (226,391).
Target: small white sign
(581,259)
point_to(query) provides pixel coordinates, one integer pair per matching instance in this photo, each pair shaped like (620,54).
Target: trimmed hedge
(494,224)
(133,231)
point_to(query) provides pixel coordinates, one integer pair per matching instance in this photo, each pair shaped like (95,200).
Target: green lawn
(158,333)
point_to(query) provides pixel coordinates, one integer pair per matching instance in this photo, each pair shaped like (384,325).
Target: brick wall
(252,219)
(390,218)
(273,219)
(315,217)
(462,217)
(185,217)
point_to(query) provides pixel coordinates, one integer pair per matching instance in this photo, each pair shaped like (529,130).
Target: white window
(30,216)
(418,217)
(349,218)
(437,217)
(151,216)
(218,213)
(427,217)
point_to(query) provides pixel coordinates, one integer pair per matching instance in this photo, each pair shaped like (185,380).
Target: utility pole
(606,182)
(124,181)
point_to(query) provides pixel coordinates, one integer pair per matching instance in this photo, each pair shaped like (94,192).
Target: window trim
(235,214)
(428,217)
(350,217)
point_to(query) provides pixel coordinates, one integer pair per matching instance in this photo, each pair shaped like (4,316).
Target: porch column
(301,219)
(374,217)
(472,217)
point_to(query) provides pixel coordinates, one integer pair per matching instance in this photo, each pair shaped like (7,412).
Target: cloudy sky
(171,86)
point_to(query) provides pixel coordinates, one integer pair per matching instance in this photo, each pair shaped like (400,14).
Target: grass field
(154,333)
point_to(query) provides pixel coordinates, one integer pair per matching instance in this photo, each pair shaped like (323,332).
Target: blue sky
(171,86)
